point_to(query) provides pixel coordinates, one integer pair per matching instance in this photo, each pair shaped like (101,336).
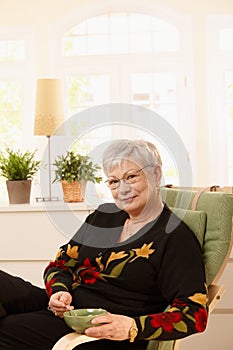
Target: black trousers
(25,322)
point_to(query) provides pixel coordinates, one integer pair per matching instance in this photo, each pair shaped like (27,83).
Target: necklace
(131,226)
(129,231)
(125,233)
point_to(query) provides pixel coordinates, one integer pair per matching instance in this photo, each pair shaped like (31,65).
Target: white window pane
(139,23)
(97,44)
(119,44)
(3,51)
(165,85)
(75,46)
(226,39)
(119,23)
(10,113)
(229,122)
(230,175)
(229,100)
(156,91)
(166,41)
(161,85)
(230,148)
(100,89)
(12,50)
(229,117)
(97,25)
(229,86)
(85,91)
(67,46)
(79,29)
(168,112)
(142,82)
(92,139)
(140,42)
(121,31)
(16,50)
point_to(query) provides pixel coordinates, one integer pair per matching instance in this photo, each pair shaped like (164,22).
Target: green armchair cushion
(218,208)
(195,220)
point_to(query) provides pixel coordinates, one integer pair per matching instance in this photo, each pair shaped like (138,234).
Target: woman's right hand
(60,302)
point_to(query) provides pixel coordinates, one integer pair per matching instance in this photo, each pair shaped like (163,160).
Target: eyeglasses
(129,178)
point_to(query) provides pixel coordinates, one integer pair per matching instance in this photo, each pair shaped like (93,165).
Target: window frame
(221,61)
(24,72)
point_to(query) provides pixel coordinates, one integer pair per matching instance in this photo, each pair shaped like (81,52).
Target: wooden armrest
(71,340)
(215,293)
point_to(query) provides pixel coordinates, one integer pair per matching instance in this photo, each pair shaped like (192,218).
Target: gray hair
(139,151)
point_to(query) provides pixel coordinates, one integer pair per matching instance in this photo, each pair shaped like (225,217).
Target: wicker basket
(74,191)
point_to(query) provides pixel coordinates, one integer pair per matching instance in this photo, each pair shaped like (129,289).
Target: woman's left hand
(114,327)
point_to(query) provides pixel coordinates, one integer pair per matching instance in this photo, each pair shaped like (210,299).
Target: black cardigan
(160,267)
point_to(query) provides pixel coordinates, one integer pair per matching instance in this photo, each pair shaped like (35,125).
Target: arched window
(120,33)
(134,58)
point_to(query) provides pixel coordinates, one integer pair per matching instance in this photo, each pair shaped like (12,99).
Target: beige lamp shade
(49,111)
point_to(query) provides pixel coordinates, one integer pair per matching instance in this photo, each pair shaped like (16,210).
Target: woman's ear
(158,174)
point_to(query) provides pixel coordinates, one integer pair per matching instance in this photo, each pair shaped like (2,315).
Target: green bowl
(80,319)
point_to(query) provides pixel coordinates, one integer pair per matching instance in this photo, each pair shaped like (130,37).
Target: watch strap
(133,331)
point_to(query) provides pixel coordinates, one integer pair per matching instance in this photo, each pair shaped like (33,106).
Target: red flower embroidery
(88,273)
(166,320)
(48,286)
(60,264)
(201,319)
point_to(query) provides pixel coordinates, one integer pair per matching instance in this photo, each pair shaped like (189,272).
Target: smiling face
(134,196)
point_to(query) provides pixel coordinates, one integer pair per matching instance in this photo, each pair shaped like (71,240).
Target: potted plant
(18,168)
(73,170)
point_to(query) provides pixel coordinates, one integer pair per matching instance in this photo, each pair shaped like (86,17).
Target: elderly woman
(123,259)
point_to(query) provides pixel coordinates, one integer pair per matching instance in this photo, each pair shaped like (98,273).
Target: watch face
(134,332)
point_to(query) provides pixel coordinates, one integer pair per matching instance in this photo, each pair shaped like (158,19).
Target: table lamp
(49,116)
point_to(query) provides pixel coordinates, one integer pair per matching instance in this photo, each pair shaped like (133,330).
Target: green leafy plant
(16,165)
(75,167)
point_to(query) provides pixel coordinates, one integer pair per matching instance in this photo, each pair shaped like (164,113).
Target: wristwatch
(133,331)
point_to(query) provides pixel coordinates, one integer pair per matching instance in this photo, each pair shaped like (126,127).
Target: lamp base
(47,199)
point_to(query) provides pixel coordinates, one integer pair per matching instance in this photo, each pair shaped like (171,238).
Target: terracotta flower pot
(19,191)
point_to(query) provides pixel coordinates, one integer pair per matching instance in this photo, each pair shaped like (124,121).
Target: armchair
(209,214)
